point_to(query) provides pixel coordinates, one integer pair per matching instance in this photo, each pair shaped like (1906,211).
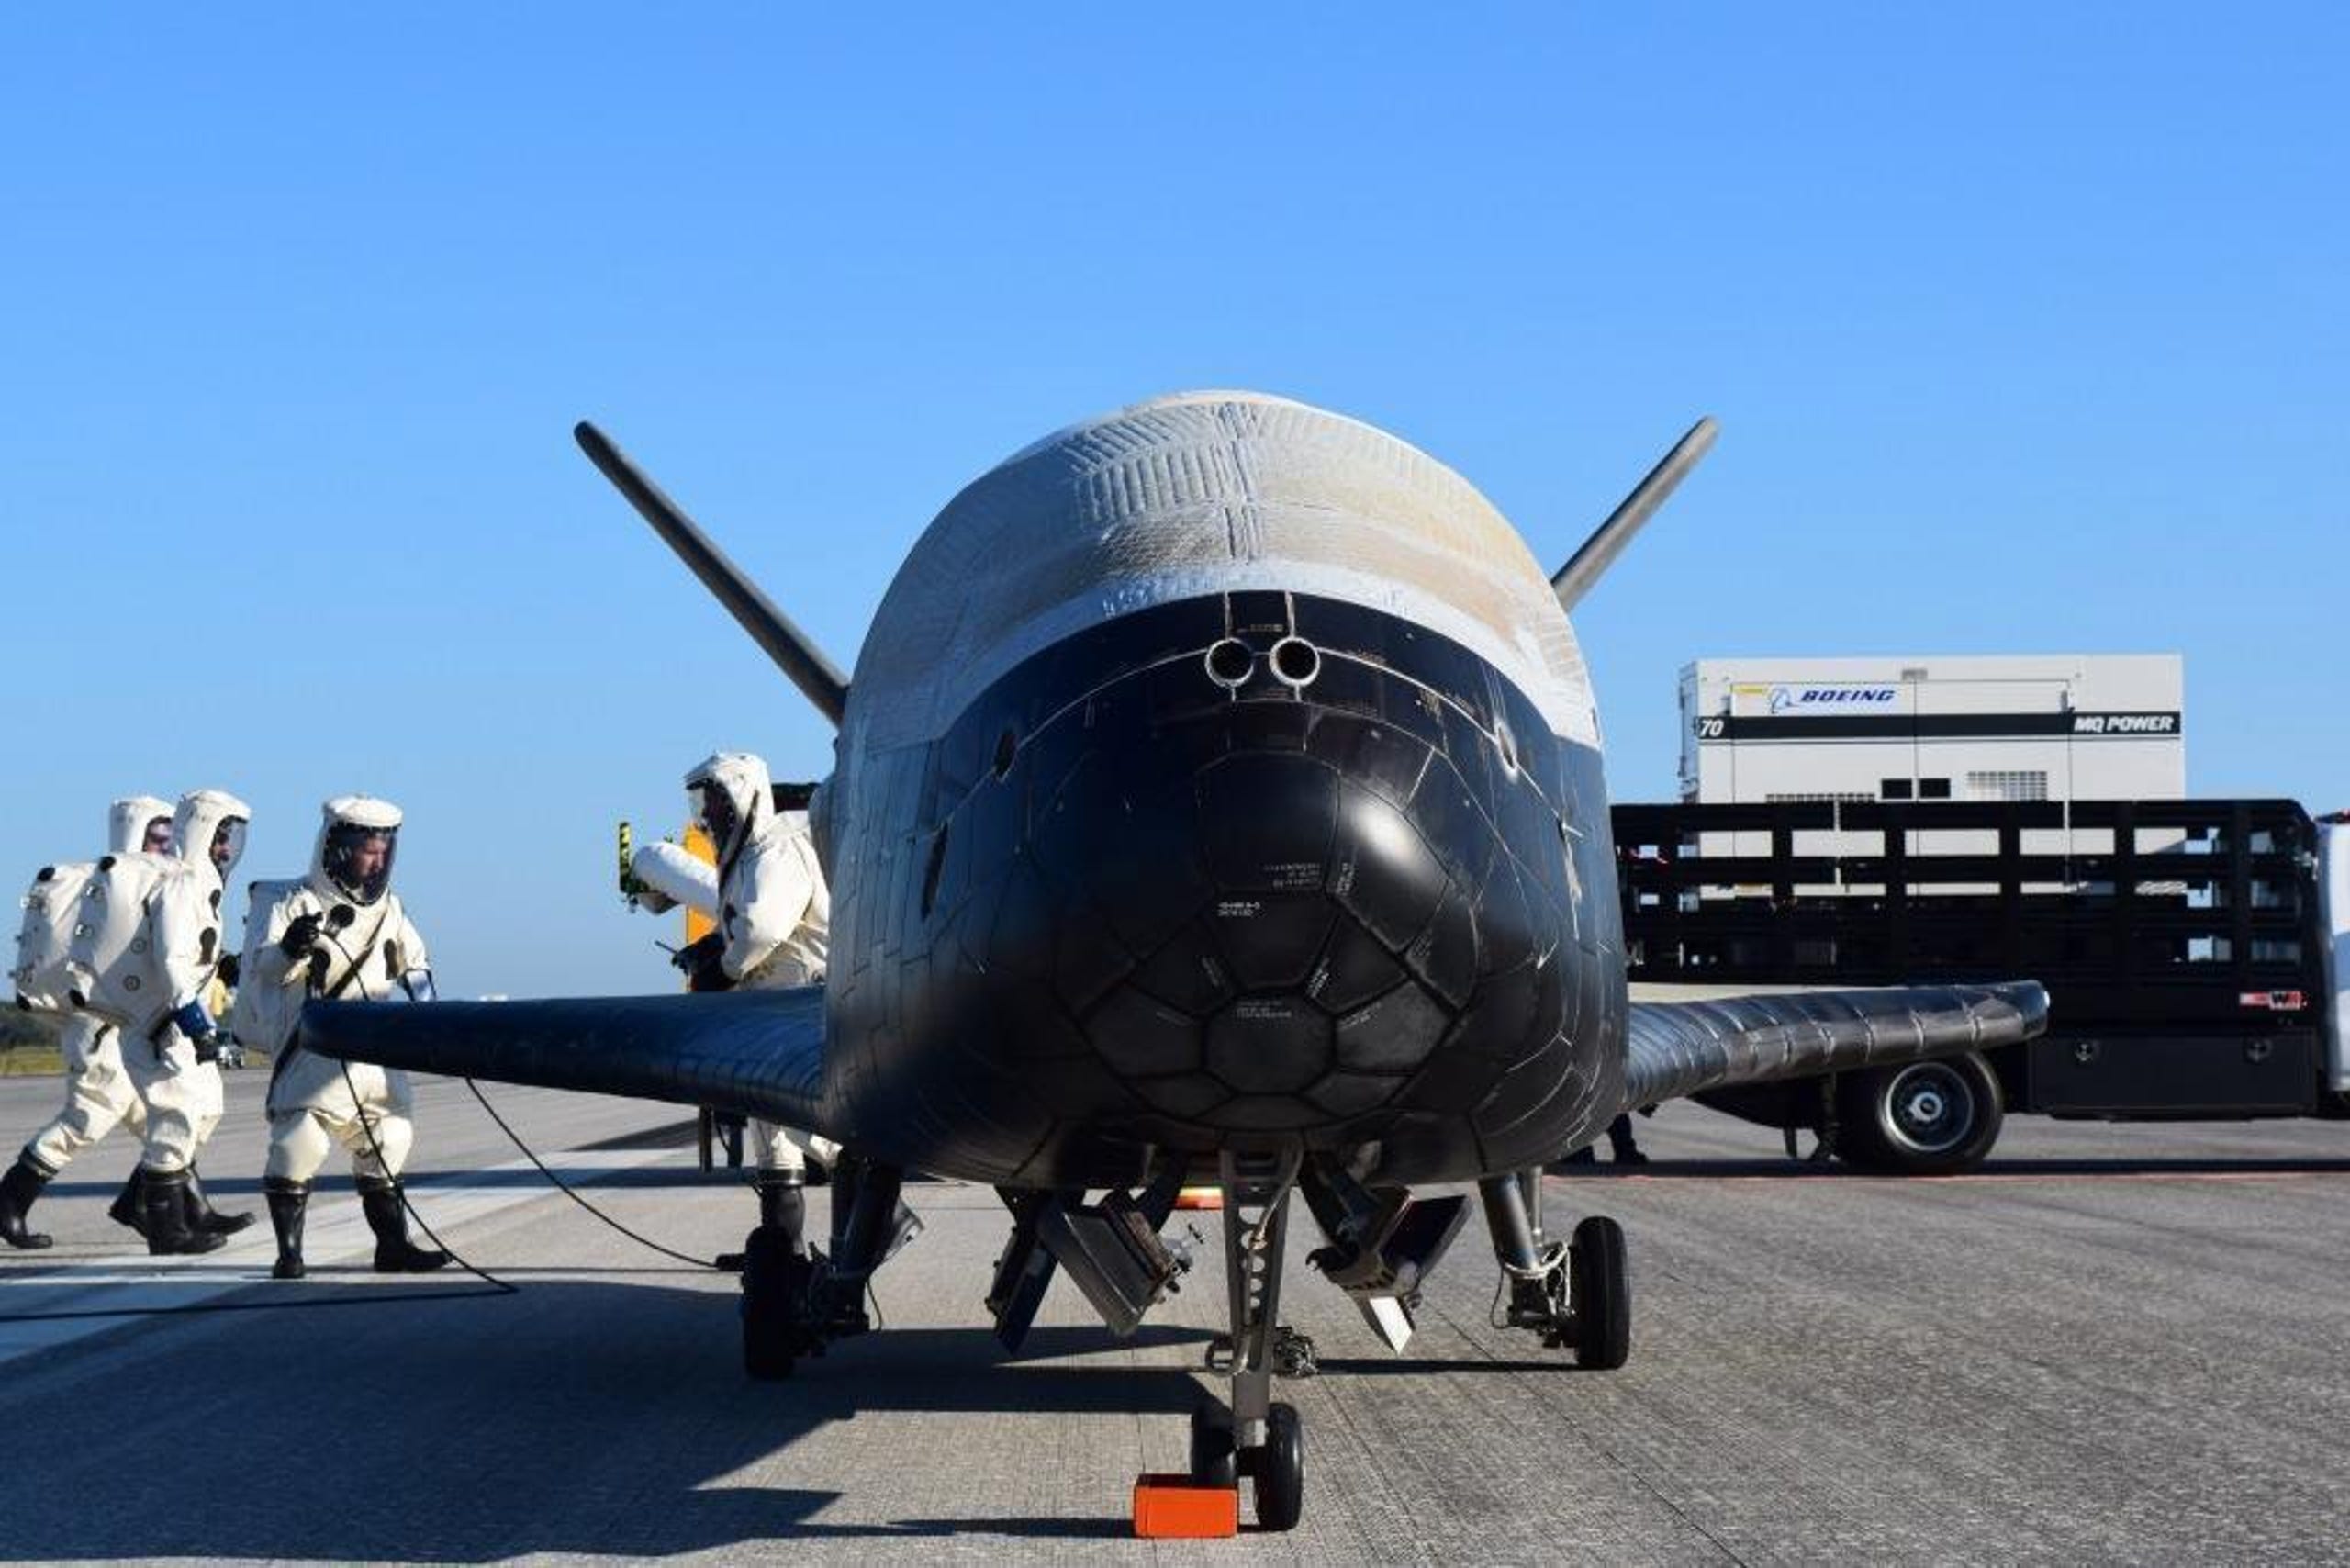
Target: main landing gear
(796,1300)
(1256,1437)
(1575,1295)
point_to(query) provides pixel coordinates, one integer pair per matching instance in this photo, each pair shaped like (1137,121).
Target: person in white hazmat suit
(773,918)
(98,1095)
(176,1071)
(665,876)
(340,934)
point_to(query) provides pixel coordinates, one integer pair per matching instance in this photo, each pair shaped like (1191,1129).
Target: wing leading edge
(757,1052)
(1680,1047)
(762,1052)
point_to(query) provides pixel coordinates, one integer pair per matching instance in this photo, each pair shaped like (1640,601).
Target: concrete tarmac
(2117,1344)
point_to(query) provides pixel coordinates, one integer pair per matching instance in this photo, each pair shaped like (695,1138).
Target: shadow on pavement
(1367,1366)
(1801,1170)
(574,1418)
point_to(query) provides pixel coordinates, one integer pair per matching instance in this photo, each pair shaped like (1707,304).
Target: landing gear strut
(796,1299)
(1257,1436)
(1575,1294)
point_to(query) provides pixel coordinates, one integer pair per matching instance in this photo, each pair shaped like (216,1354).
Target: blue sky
(2027,333)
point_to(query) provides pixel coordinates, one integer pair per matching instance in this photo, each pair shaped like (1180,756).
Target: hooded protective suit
(668,875)
(774,912)
(351,940)
(339,933)
(182,1094)
(138,822)
(98,1091)
(169,1056)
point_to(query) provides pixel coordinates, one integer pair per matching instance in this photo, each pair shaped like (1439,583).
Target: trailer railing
(2147,914)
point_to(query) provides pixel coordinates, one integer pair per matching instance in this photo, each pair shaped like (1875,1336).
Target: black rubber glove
(301,935)
(693,955)
(700,962)
(202,1034)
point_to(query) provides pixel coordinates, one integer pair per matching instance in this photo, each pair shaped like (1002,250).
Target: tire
(1213,1463)
(1279,1471)
(1927,1118)
(773,1281)
(1600,1285)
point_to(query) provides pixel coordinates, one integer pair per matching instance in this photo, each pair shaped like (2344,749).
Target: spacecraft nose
(1261,883)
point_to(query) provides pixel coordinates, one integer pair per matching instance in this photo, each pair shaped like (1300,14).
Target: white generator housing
(1934,728)
(2055,727)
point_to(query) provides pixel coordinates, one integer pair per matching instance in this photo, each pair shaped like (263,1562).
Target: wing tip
(2030,999)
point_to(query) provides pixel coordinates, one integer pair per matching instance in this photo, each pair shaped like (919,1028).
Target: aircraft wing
(1680,1047)
(757,1052)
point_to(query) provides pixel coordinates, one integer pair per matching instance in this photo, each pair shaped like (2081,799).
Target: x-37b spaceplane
(1219,800)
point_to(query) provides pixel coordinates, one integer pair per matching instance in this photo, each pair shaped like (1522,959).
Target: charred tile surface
(1277,870)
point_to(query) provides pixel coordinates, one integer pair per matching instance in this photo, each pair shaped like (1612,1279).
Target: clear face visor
(359,859)
(713,808)
(227,842)
(158,840)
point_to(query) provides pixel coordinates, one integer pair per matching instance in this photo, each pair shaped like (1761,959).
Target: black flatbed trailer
(2185,944)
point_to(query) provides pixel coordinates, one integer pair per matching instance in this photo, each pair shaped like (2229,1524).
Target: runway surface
(2117,1344)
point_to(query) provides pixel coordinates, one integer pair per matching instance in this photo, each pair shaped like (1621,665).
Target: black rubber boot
(202,1216)
(126,1207)
(395,1253)
(18,1191)
(1620,1146)
(289,1201)
(783,1209)
(164,1196)
(783,1206)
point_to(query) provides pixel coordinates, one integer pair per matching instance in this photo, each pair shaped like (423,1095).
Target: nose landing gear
(1256,1437)
(1575,1294)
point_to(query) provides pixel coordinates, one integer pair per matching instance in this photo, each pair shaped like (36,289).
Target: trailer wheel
(1927,1118)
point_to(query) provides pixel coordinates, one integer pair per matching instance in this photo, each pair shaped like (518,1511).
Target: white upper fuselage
(1200,493)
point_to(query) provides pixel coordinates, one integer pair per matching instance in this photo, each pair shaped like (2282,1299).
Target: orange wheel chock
(1176,1507)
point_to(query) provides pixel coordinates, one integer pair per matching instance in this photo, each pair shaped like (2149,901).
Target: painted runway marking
(336,1233)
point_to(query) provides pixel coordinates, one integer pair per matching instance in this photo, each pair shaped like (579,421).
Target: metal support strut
(796,1302)
(1534,1268)
(1575,1295)
(1256,1235)
(1257,1436)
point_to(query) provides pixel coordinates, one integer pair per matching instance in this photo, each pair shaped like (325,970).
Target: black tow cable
(399,1190)
(567,1190)
(351,966)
